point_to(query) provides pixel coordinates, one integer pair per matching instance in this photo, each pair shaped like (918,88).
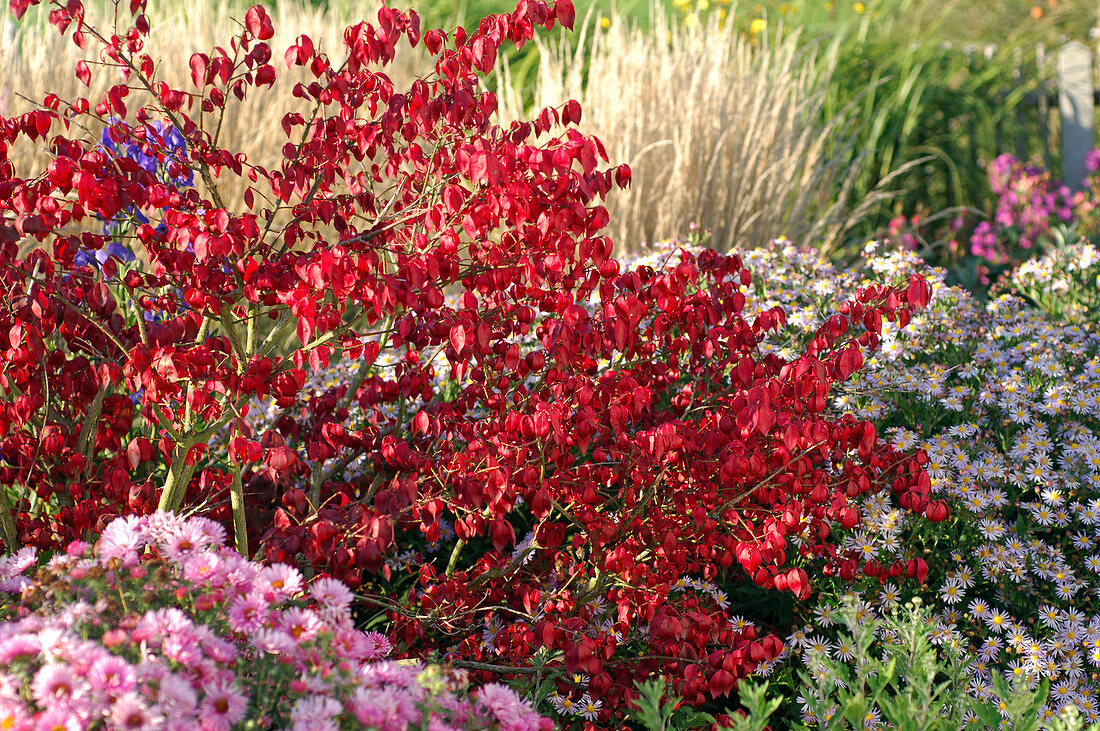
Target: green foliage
(656,712)
(1064,282)
(896,676)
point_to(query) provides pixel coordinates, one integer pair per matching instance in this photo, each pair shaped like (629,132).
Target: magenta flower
(247,614)
(200,660)
(121,539)
(331,593)
(280,580)
(56,685)
(129,712)
(223,703)
(111,676)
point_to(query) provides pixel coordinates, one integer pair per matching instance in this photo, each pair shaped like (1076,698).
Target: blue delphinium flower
(174,151)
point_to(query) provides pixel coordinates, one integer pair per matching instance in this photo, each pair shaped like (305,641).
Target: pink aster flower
(239,572)
(121,539)
(280,580)
(21,560)
(301,624)
(77,548)
(111,676)
(54,683)
(248,613)
(508,709)
(376,646)
(315,709)
(165,621)
(182,542)
(383,708)
(218,649)
(349,644)
(331,593)
(202,567)
(176,696)
(159,525)
(20,645)
(130,712)
(13,714)
(380,674)
(274,642)
(58,719)
(213,531)
(224,703)
(182,648)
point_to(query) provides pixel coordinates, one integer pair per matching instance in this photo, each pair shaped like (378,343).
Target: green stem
(179,475)
(85,443)
(459,545)
(236,502)
(7,523)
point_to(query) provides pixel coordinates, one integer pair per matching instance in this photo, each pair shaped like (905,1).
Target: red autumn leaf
(199,64)
(458,338)
(848,362)
(83,74)
(258,23)
(919,292)
(565,13)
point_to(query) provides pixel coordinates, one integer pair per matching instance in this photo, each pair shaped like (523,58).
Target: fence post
(1075,103)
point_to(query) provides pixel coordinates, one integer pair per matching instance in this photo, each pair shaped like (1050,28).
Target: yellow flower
(757,26)
(859,8)
(605,22)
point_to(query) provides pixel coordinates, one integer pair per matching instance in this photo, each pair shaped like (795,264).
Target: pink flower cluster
(1030,203)
(161,626)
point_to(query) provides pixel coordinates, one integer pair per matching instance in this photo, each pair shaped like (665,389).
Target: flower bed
(160,626)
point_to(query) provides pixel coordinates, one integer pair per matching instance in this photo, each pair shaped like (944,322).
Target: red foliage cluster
(643,438)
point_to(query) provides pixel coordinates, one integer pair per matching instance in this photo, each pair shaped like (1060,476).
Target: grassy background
(816,120)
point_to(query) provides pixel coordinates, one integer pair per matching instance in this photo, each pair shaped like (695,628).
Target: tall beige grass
(38,60)
(718,129)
